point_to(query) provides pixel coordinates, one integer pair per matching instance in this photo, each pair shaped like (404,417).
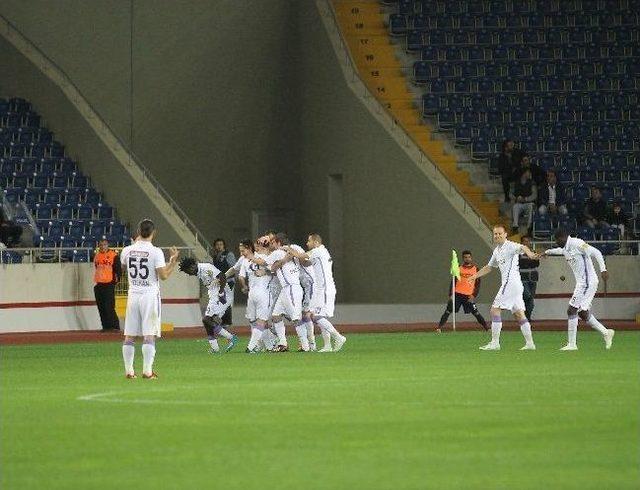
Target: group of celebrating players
(288,285)
(285,285)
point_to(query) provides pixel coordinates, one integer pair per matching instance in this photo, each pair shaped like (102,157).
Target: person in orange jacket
(107,275)
(465,292)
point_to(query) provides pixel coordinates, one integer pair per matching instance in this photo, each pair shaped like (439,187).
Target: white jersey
(141,261)
(307,273)
(289,273)
(323,267)
(506,258)
(208,274)
(258,276)
(578,254)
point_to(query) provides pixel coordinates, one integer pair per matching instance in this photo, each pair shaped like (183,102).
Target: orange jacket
(107,267)
(462,286)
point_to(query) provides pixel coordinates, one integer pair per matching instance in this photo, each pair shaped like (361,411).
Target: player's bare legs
(525,328)
(148,355)
(128,354)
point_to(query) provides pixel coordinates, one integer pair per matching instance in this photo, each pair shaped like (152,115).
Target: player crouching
(219,300)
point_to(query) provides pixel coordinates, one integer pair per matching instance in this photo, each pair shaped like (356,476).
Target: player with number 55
(144,263)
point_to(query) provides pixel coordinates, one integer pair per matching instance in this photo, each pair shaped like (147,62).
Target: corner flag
(455,266)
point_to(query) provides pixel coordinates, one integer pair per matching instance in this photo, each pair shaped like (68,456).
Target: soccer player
(145,263)
(579,256)
(289,303)
(323,304)
(219,300)
(258,299)
(505,257)
(465,293)
(307,281)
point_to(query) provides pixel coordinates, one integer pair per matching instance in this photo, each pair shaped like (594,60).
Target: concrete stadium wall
(58,297)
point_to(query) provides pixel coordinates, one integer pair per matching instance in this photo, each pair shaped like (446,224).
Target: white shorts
(509,297)
(583,295)
(289,303)
(324,302)
(143,314)
(215,307)
(258,305)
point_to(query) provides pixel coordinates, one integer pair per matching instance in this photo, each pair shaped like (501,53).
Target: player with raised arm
(145,264)
(505,257)
(579,256)
(323,304)
(220,297)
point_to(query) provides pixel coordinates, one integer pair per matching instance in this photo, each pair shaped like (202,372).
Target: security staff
(107,274)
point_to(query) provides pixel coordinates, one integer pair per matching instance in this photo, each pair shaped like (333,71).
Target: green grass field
(391,411)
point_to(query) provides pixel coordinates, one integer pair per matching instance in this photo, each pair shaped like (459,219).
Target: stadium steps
(363,27)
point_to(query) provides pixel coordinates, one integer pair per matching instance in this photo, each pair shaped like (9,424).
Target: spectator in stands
(508,162)
(107,275)
(537,174)
(595,211)
(525,194)
(617,218)
(224,259)
(529,277)
(551,196)
(10,232)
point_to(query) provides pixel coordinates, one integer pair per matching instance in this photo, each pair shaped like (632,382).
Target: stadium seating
(561,78)
(35,171)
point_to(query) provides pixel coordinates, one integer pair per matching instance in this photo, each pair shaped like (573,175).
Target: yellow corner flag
(455,266)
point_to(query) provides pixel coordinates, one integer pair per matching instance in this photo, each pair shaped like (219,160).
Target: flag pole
(453,299)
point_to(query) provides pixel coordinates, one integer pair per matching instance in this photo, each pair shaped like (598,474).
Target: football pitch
(391,411)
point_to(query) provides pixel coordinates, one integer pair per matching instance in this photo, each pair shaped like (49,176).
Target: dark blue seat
(397,24)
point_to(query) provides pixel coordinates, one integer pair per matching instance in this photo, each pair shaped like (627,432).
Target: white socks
(525,328)
(596,325)
(256,335)
(280,332)
(148,354)
(572,330)
(225,333)
(301,330)
(269,339)
(328,326)
(128,353)
(496,328)
(213,343)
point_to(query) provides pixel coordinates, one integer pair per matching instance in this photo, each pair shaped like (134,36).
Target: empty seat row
(569,52)
(425,70)
(454,7)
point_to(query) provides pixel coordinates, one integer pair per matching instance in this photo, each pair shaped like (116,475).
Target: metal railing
(37,255)
(134,159)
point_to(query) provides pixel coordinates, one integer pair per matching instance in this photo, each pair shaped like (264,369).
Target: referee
(465,292)
(108,269)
